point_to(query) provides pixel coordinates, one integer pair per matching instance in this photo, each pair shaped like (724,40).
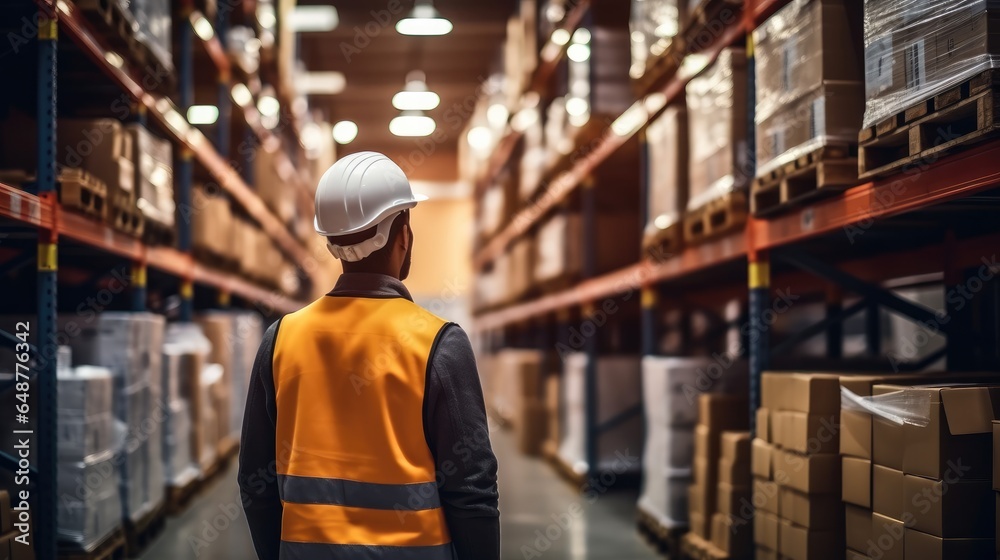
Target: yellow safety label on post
(139,275)
(48,257)
(187,289)
(749,45)
(186,154)
(48,29)
(224,299)
(587,308)
(649,298)
(759,275)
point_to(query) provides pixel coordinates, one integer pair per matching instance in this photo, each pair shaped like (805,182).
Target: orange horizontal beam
(24,207)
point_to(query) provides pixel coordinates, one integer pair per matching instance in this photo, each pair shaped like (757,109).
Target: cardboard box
(887,491)
(764,424)
(706,444)
(735,447)
(856,481)
(765,496)
(811,474)
(733,535)
(958,509)
(668,167)
(857,527)
(761,460)
(921,546)
(778,420)
(705,471)
(887,538)
(721,412)
(735,474)
(856,434)
(698,526)
(960,41)
(732,500)
(887,437)
(959,433)
(701,498)
(811,433)
(532,428)
(814,393)
(799,543)
(766,530)
(815,512)
(772,395)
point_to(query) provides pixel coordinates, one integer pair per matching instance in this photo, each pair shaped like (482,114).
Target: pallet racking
(921,221)
(84,239)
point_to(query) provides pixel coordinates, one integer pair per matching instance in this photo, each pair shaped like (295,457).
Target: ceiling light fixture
(309,19)
(497,115)
(424,20)
(266,16)
(203,28)
(345,132)
(578,52)
(268,106)
(581,36)
(203,114)
(242,95)
(415,95)
(480,138)
(321,83)
(412,124)
(560,36)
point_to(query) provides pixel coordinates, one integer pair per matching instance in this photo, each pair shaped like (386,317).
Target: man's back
(372,427)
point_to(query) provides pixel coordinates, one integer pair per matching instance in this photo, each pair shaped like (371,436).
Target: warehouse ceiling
(455,64)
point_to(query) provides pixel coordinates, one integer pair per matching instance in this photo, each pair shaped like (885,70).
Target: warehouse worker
(365,434)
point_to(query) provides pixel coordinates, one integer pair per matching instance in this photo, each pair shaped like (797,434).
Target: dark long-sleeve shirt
(455,428)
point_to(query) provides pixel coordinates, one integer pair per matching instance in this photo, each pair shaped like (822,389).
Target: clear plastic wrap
(717,106)
(555,254)
(248,329)
(178,466)
(89,507)
(619,386)
(809,86)
(666,138)
(155,27)
(654,24)
(916,49)
(899,407)
(154,174)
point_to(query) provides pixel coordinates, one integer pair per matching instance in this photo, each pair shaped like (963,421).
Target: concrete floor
(542,516)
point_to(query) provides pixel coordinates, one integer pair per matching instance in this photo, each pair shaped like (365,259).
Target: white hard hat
(360,191)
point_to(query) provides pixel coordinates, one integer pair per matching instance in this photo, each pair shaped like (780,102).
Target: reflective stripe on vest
(356,477)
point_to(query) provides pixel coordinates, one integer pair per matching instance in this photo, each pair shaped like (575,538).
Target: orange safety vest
(355,474)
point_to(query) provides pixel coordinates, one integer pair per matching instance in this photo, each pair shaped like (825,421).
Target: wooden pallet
(82,191)
(822,172)
(111,548)
(666,540)
(564,471)
(179,497)
(960,117)
(140,534)
(127,220)
(718,217)
(664,243)
(155,233)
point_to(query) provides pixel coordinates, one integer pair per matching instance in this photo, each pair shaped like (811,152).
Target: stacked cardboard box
(560,245)
(187,345)
(219,329)
(670,389)
(154,176)
(809,80)
(553,415)
(618,386)
(154,28)
(915,50)
(719,413)
(273,184)
(796,461)
(931,479)
(666,139)
(520,268)
(516,395)
(211,220)
(88,479)
(717,129)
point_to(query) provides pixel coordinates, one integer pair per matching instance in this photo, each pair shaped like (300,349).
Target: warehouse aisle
(543,516)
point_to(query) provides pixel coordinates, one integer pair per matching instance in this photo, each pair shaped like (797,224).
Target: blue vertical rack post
(138,278)
(588,197)
(759,282)
(185,175)
(225,103)
(44,517)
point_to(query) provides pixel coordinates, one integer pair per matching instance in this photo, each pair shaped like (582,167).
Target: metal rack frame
(948,179)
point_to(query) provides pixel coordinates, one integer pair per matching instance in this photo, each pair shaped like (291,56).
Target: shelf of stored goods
(44,212)
(551,54)
(611,139)
(173,121)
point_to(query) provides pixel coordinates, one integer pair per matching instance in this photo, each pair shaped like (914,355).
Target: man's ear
(406,238)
